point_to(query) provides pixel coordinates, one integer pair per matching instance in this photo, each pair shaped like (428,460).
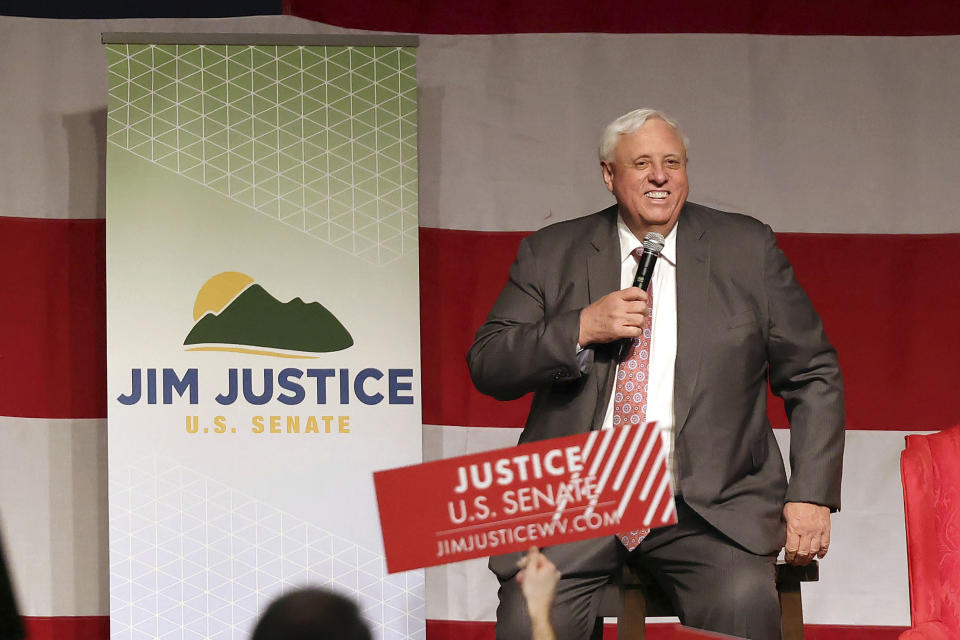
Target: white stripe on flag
(53,511)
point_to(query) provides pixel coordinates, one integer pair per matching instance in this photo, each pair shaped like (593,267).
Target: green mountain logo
(233,313)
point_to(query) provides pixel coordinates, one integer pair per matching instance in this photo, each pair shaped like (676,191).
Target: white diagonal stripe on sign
(668,510)
(637,470)
(654,470)
(632,451)
(603,448)
(612,459)
(584,456)
(595,466)
(664,483)
(561,505)
(588,447)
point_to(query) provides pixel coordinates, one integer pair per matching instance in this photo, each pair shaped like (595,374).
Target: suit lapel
(603,276)
(603,261)
(693,268)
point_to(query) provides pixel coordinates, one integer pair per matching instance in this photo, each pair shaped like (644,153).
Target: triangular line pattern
(322,139)
(192,558)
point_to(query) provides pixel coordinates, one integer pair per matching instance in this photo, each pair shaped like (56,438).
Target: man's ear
(607,171)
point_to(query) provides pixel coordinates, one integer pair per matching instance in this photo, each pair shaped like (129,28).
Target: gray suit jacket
(741,318)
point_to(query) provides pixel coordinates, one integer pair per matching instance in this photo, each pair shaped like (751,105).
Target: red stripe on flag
(53,324)
(461,630)
(889,304)
(461,274)
(785,17)
(67,627)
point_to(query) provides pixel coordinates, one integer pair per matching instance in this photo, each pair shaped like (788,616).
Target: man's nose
(657,175)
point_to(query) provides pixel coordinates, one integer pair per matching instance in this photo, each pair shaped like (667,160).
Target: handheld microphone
(652,246)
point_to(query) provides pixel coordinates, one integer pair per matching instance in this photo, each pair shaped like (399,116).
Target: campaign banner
(262,329)
(540,493)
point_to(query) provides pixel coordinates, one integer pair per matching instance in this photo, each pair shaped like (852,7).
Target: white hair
(630,122)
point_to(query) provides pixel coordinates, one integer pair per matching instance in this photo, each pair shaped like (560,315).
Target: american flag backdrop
(836,123)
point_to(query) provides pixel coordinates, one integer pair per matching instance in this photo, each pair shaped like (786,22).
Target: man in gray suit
(727,316)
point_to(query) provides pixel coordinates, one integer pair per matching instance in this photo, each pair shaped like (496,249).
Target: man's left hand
(808,532)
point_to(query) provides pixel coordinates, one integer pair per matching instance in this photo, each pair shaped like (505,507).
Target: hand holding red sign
(538,578)
(541,493)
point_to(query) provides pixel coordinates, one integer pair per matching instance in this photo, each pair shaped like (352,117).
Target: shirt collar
(629,242)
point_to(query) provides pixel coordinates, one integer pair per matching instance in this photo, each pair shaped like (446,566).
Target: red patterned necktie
(630,395)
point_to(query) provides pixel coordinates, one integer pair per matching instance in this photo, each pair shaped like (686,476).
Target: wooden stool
(632,600)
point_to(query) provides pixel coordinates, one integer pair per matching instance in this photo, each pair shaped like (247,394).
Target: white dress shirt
(663,341)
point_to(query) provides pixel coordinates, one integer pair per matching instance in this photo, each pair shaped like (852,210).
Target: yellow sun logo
(219,291)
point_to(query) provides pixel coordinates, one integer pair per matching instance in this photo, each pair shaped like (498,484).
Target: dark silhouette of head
(311,614)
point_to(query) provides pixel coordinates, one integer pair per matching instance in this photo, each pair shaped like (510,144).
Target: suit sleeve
(521,348)
(805,372)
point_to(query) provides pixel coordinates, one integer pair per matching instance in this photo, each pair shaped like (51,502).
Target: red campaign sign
(540,493)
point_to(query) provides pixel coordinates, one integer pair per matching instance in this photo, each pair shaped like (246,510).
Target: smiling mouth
(657,195)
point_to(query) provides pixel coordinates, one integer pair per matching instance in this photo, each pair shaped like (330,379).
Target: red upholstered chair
(930,471)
